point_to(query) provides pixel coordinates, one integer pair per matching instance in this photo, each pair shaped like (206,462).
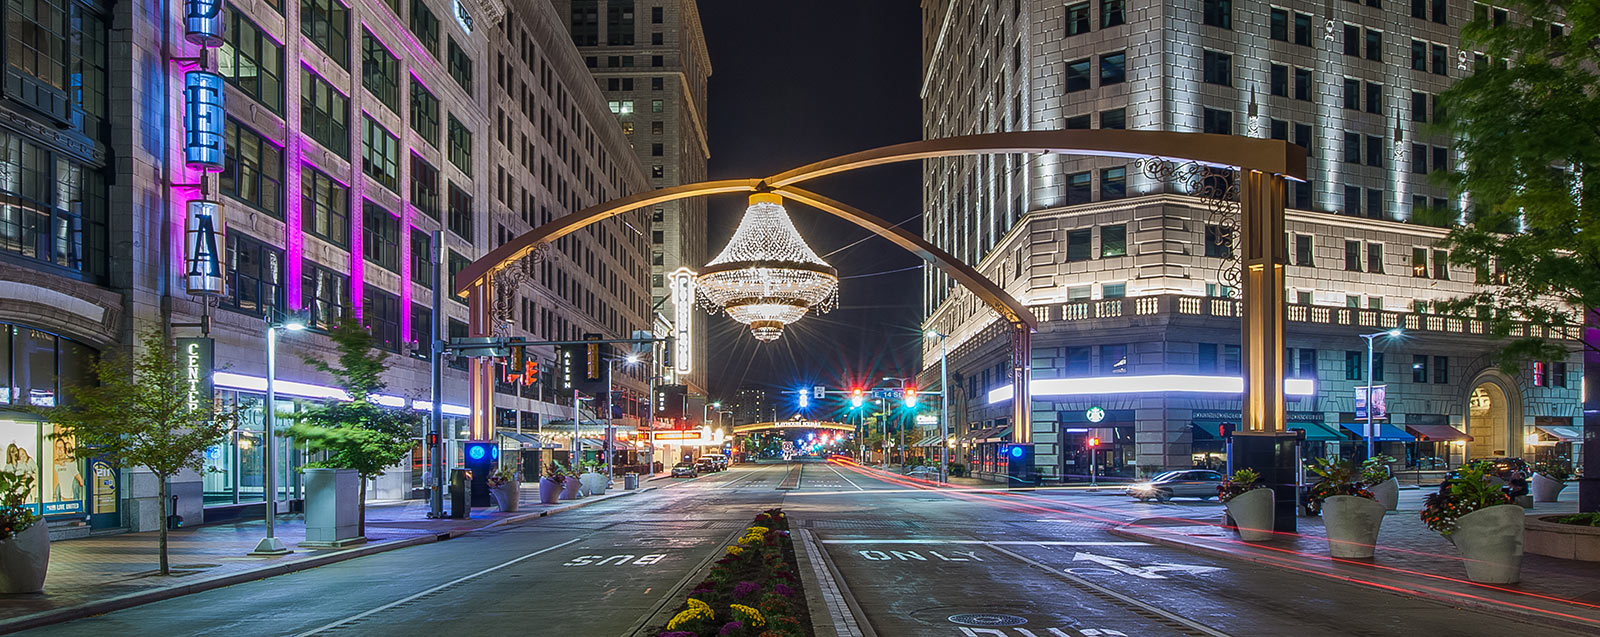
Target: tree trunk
(361,510)
(166,568)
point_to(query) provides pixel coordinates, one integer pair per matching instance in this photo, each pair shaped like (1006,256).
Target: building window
(1079,188)
(36,40)
(424,113)
(1078,122)
(255,277)
(1374,45)
(657,106)
(1113,290)
(657,150)
(1441,265)
(1078,243)
(324,293)
(1113,183)
(1218,68)
(1375,203)
(1302,84)
(252,62)
(1115,119)
(1113,359)
(1280,25)
(380,236)
(61,220)
(460,146)
(1113,68)
(1419,107)
(381,314)
(1111,13)
(1352,94)
(424,187)
(1439,58)
(421,331)
(1419,262)
(324,113)
(1113,241)
(1280,80)
(460,66)
(1078,75)
(1419,55)
(327,24)
(425,26)
(1375,151)
(1353,364)
(380,72)
(1352,40)
(619,23)
(1375,258)
(380,155)
(421,258)
(253,170)
(1302,29)
(1352,148)
(1217,122)
(1219,242)
(1419,369)
(1352,256)
(658,171)
(460,215)
(1078,18)
(1441,371)
(1218,13)
(1306,366)
(1303,251)
(1078,362)
(325,207)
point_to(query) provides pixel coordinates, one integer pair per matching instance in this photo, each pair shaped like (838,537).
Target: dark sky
(796,82)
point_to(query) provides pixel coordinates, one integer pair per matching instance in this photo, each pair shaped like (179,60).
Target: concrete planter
(332,500)
(505,496)
(1546,489)
(549,491)
(1352,523)
(1252,514)
(24,559)
(1387,493)
(1490,541)
(569,488)
(594,483)
(1544,536)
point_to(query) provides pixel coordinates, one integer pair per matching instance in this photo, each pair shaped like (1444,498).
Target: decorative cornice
(490,12)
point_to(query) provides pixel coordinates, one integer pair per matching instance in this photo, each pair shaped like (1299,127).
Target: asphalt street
(915,561)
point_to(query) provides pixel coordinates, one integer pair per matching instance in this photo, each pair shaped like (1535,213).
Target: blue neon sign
(202,22)
(203,120)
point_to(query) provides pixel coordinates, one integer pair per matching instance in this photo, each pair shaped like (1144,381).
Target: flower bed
(752,591)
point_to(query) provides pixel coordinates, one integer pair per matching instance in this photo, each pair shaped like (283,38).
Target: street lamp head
(1396,332)
(716,405)
(632,359)
(932,334)
(294,325)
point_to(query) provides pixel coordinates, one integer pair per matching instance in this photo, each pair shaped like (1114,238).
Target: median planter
(1546,489)
(1387,493)
(1252,513)
(1490,541)
(549,491)
(1569,537)
(570,487)
(24,559)
(1352,524)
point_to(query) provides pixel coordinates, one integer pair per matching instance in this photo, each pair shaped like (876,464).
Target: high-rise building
(337,139)
(752,405)
(649,57)
(1138,343)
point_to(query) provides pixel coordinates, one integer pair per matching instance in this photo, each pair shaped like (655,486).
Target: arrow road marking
(1147,572)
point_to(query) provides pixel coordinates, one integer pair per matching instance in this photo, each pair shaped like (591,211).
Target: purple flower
(783,590)
(731,628)
(745,588)
(676,633)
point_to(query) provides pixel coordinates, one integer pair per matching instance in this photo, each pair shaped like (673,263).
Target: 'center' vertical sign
(195,355)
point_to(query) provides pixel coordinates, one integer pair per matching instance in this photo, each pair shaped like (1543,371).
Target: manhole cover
(987,619)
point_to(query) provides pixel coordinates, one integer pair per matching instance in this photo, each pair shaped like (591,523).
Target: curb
(1453,601)
(130,600)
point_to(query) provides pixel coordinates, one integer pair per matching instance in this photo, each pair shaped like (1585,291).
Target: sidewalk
(100,574)
(1411,560)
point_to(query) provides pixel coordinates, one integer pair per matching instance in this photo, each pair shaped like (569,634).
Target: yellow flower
(695,603)
(702,611)
(750,615)
(735,550)
(757,530)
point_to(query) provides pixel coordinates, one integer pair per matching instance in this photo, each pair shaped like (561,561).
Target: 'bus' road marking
(622,559)
(458,580)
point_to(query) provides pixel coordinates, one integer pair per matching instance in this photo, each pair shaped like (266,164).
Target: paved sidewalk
(103,573)
(1410,560)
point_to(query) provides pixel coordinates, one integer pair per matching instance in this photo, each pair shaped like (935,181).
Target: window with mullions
(324,113)
(460,146)
(460,216)
(619,23)
(380,155)
(255,277)
(1218,68)
(89,35)
(64,224)
(252,62)
(380,71)
(380,236)
(1113,68)
(1078,18)
(325,294)
(36,40)
(327,24)
(252,169)
(425,26)
(1218,13)
(456,264)
(424,113)
(325,207)
(460,66)
(381,314)
(422,331)
(1111,13)
(421,258)
(424,187)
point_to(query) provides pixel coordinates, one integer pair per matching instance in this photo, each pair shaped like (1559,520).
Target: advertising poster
(63,477)
(21,442)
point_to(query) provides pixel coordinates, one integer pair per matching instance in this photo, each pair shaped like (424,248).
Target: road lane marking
(846,479)
(458,580)
(1000,542)
(1114,594)
(1152,571)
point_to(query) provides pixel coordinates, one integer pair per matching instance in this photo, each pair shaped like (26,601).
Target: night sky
(796,82)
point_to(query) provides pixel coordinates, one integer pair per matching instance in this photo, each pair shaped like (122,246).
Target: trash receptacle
(459,479)
(630,481)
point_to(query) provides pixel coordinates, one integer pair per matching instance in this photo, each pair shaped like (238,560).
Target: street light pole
(1368,433)
(271,545)
(944,409)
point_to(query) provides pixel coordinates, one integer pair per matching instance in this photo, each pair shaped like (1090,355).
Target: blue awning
(1316,431)
(1386,432)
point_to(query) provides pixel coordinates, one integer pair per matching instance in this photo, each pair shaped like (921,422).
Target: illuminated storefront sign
(202,120)
(203,241)
(202,22)
(463,17)
(195,354)
(681,285)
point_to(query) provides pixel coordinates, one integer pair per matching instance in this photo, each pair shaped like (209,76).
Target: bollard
(174,521)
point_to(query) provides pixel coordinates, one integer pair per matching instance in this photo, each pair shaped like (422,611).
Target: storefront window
(35,367)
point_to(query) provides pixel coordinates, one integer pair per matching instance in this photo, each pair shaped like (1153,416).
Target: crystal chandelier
(767,277)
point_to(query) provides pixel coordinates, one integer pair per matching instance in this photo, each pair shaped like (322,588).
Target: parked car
(923,473)
(685,470)
(705,465)
(720,459)
(1192,483)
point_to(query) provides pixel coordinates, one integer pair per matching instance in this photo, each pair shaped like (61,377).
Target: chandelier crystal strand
(767,277)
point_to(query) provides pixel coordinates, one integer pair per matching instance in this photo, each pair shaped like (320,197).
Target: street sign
(888,393)
(819,392)
(480,347)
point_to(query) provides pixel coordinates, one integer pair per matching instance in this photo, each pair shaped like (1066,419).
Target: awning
(998,434)
(525,441)
(1203,433)
(1316,431)
(930,441)
(1565,434)
(976,435)
(1436,433)
(1386,432)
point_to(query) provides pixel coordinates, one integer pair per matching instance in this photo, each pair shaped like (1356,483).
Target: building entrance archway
(1494,417)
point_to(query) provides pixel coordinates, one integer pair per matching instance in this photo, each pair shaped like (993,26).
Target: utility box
(1019,466)
(332,501)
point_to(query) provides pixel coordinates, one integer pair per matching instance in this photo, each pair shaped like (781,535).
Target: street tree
(1525,125)
(140,414)
(357,434)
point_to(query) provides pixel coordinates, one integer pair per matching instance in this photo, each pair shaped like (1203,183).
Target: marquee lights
(203,242)
(1146,384)
(203,120)
(767,277)
(202,22)
(681,285)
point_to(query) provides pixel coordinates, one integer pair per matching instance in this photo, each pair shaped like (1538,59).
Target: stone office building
(1128,273)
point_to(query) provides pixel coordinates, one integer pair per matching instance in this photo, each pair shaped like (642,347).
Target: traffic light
(433,440)
(856,397)
(911,397)
(804,400)
(592,365)
(819,392)
(1225,430)
(1094,442)
(517,363)
(530,375)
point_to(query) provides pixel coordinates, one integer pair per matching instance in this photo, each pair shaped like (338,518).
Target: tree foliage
(1527,125)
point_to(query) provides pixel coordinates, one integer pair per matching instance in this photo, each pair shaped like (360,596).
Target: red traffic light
(1094,442)
(1225,430)
(433,440)
(855,397)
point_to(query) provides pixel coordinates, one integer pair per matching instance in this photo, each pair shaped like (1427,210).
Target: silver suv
(1193,483)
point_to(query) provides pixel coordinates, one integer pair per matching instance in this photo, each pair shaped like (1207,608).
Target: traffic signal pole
(436,371)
